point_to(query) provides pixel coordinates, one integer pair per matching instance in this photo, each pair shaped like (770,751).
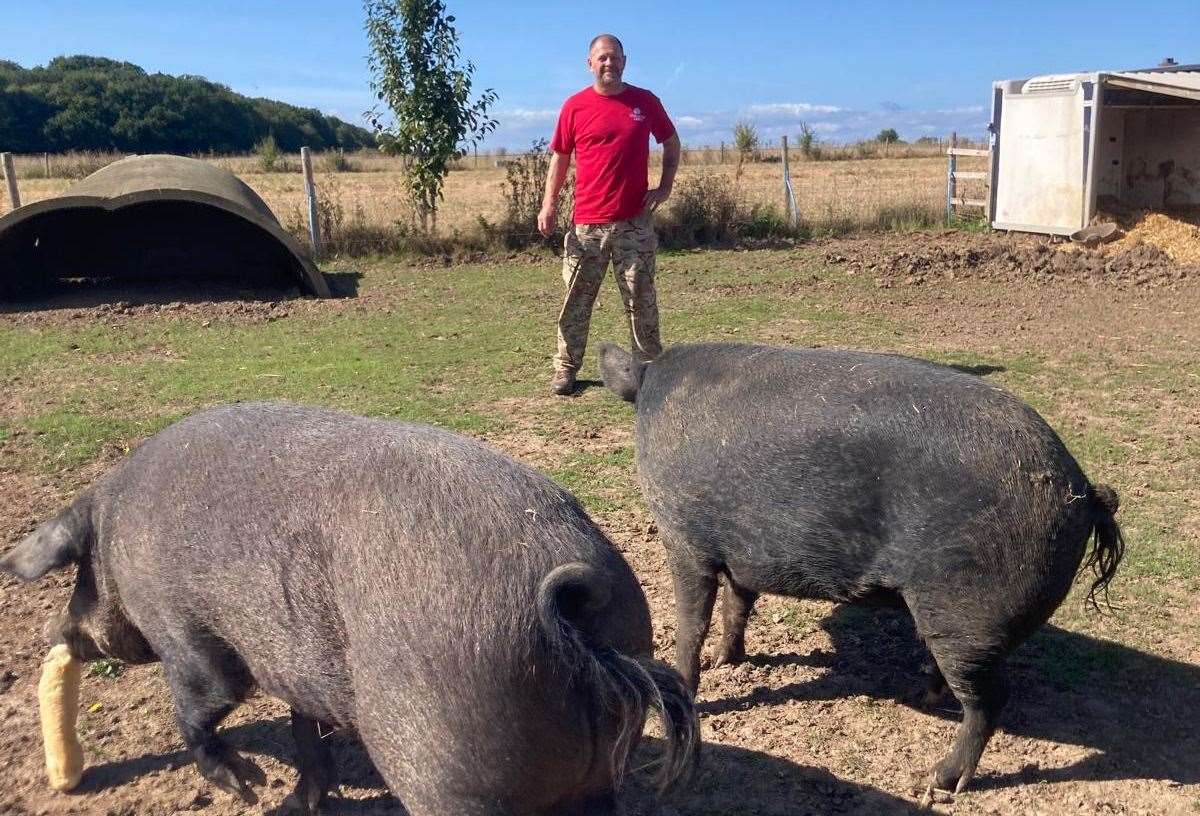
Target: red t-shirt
(610,136)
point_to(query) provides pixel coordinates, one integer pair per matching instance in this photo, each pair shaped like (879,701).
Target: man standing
(608,127)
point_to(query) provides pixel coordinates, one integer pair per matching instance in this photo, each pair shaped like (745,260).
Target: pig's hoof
(307,799)
(949,777)
(235,774)
(299,803)
(932,795)
(729,656)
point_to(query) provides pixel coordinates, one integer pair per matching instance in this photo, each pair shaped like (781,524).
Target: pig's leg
(205,688)
(975,673)
(935,684)
(695,592)
(735,611)
(314,760)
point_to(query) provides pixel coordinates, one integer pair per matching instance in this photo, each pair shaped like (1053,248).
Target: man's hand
(654,198)
(547,219)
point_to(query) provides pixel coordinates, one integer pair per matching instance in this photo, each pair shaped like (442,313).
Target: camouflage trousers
(587,250)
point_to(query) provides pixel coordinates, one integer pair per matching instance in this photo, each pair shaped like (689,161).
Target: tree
(808,141)
(745,139)
(417,73)
(93,103)
(888,136)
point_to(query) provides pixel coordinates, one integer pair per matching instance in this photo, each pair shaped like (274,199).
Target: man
(608,127)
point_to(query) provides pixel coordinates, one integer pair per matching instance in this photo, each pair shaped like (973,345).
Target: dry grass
(834,196)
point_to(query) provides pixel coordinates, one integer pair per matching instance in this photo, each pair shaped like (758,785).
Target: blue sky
(847,68)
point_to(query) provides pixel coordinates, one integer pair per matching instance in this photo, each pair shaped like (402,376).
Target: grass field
(1102,713)
(835,196)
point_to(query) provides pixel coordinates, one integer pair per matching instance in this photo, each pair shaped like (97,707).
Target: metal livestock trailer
(1063,142)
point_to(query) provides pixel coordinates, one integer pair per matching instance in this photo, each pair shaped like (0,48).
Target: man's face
(606,62)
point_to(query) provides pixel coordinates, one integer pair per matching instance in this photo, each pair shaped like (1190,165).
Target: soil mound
(930,257)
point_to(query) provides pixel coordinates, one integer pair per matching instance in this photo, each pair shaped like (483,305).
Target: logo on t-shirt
(637,115)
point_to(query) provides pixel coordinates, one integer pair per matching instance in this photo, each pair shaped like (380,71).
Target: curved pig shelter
(152,218)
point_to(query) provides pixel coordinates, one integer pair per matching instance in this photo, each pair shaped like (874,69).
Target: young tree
(418,75)
(888,136)
(745,138)
(808,141)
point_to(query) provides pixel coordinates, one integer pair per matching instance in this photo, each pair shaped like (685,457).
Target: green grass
(468,348)
(108,668)
(70,437)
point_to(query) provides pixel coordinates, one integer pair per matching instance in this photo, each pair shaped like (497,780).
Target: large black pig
(460,611)
(864,478)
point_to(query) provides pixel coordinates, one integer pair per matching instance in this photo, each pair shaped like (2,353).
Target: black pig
(461,612)
(864,478)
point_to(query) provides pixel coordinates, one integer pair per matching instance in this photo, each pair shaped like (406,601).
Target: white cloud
(527,116)
(793,109)
(831,123)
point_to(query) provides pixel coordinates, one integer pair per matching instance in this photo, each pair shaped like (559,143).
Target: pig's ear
(54,544)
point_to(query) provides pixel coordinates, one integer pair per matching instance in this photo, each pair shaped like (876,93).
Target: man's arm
(555,176)
(670,164)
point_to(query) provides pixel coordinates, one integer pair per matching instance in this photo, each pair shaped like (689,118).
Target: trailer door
(1043,155)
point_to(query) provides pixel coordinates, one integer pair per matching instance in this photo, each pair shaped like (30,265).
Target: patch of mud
(126,303)
(927,257)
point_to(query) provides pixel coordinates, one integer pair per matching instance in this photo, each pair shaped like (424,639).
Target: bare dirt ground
(817,721)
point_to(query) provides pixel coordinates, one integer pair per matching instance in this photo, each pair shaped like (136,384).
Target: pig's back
(851,462)
(367,568)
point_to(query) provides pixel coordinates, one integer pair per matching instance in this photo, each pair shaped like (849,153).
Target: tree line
(94,103)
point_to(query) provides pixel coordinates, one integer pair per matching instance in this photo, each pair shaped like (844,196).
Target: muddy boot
(563,382)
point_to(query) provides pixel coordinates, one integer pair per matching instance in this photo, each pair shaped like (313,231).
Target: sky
(847,68)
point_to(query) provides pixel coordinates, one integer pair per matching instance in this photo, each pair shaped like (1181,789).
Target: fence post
(951,166)
(722,153)
(310,192)
(46,157)
(10,175)
(789,198)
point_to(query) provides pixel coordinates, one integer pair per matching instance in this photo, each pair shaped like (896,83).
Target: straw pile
(1176,232)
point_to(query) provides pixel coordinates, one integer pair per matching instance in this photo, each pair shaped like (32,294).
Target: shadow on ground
(343,284)
(979,370)
(89,295)
(734,781)
(584,385)
(86,294)
(1136,710)
(729,780)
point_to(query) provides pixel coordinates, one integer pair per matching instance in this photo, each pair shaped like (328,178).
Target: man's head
(606,61)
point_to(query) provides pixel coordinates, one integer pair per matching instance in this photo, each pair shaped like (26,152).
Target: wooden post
(951,166)
(46,156)
(476,146)
(10,175)
(789,199)
(310,192)
(722,153)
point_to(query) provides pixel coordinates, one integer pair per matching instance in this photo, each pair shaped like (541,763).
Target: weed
(270,158)
(108,667)
(524,186)
(336,161)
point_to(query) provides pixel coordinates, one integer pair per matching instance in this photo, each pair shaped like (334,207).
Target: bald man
(608,126)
